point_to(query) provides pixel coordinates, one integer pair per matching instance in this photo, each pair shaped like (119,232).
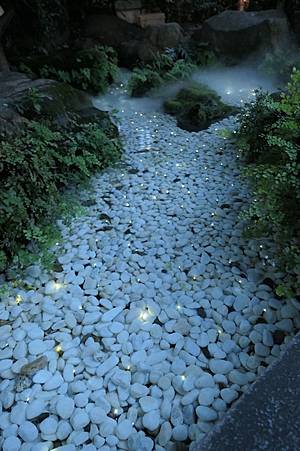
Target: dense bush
(269,136)
(165,68)
(34,168)
(91,69)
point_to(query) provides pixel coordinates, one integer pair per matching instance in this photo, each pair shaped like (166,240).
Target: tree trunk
(4,22)
(4,66)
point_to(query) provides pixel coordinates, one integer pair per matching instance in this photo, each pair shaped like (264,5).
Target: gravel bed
(161,314)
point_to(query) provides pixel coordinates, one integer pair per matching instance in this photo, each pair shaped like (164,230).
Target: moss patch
(196,107)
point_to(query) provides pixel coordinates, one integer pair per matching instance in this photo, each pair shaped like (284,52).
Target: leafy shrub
(269,136)
(90,70)
(201,54)
(163,69)
(34,168)
(143,80)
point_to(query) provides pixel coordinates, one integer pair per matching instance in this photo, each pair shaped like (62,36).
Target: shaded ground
(268,416)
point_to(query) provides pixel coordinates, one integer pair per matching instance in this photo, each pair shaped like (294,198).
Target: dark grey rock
(236,34)
(267,417)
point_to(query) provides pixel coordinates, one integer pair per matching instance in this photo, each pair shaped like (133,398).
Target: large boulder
(134,51)
(110,30)
(168,35)
(59,102)
(132,43)
(236,34)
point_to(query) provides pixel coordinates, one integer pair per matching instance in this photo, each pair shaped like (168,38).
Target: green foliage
(280,63)
(269,136)
(143,80)
(163,69)
(35,167)
(196,107)
(90,70)
(201,54)
(31,103)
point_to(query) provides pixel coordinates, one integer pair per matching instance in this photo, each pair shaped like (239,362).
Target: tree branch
(5,20)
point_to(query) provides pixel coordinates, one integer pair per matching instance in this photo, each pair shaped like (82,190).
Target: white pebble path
(160,318)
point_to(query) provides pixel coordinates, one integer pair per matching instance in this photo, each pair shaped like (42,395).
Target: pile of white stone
(161,314)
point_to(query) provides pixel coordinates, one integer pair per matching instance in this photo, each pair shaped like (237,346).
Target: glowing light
(18,299)
(116,411)
(183,377)
(144,315)
(58,348)
(178,306)
(58,285)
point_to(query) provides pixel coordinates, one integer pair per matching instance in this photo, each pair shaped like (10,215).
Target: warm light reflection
(18,299)
(58,348)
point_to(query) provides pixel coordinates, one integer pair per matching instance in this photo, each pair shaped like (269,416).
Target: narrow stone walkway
(161,314)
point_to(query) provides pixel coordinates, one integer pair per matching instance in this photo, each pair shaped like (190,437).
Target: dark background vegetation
(45,25)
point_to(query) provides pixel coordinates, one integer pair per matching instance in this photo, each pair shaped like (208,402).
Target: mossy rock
(47,100)
(62,103)
(60,98)
(196,107)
